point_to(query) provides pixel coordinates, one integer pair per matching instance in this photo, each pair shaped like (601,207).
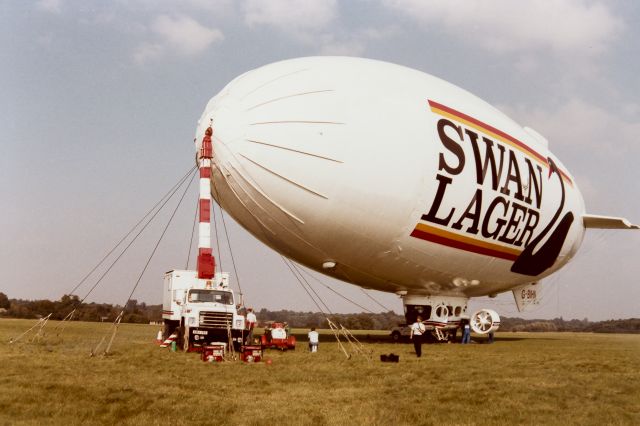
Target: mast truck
(199,304)
(201,311)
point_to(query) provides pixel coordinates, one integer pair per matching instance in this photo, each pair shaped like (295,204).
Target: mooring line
(164,231)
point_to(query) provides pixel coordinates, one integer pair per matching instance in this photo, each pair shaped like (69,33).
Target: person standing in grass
(251,322)
(466,334)
(313,340)
(417,330)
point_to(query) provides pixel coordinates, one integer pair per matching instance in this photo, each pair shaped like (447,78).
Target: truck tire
(395,336)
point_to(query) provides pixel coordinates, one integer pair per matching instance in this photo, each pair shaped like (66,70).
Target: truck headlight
(239,323)
(192,321)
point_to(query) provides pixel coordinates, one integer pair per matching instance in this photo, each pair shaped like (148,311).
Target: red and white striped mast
(206,265)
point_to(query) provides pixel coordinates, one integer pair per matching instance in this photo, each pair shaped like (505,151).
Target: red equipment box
(251,353)
(213,352)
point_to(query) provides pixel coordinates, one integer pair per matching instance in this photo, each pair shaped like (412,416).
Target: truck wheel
(395,336)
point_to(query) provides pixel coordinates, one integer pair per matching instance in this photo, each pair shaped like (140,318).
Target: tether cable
(193,231)
(233,262)
(136,236)
(336,292)
(215,227)
(171,191)
(224,224)
(335,329)
(169,194)
(294,266)
(164,231)
(286,262)
(375,301)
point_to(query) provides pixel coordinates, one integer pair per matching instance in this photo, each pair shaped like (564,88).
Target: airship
(392,179)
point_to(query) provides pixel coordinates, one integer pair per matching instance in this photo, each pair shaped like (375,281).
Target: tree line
(361,321)
(631,325)
(388,320)
(136,312)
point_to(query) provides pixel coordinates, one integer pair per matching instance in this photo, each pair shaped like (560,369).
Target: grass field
(542,378)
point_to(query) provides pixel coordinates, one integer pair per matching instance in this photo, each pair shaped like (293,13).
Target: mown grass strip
(524,378)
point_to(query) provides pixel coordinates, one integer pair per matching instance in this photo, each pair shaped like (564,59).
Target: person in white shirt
(251,322)
(417,331)
(313,340)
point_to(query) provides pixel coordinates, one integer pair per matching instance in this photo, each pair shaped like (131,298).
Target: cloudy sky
(99,102)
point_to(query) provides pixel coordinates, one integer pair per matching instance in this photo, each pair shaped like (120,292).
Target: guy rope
(41,322)
(164,231)
(337,329)
(159,205)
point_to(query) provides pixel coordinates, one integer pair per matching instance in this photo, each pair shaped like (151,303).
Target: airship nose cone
(279,145)
(225,116)
(275,136)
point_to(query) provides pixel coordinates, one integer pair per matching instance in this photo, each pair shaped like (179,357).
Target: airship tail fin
(606,222)
(527,296)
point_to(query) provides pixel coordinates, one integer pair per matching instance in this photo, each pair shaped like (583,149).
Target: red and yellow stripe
(487,129)
(451,239)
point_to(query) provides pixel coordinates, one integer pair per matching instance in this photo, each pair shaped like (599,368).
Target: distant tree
(135,318)
(69,299)
(132,306)
(4,301)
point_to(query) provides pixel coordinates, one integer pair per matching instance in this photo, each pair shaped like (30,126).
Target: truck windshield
(203,296)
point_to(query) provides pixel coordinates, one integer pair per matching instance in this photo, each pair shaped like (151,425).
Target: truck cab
(200,311)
